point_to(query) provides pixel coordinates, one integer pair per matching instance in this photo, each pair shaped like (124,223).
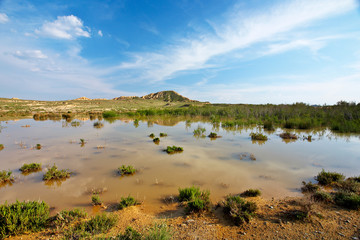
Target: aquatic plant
(54,174)
(213,135)
(152,135)
(127,202)
(199,131)
(75,123)
(1,147)
(173,149)
(309,187)
(196,200)
(258,136)
(126,170)
(251,193)
(32,167)
(238,209)
(327,178)
(110,114)
(6,177)
(38,146)
(97,224)
(95,200)
(156,140)
(287,135)
(163,134)
(98,125)
(22,217)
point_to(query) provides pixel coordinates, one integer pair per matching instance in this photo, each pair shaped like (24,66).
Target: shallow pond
(223,165)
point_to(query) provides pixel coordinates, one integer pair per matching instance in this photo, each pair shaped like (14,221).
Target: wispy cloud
(3,18)
(64,27)
(37,54)
(100,33)
(238,32)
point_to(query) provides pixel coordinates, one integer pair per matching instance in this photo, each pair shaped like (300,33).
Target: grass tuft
(238,209)
(127,202)
(54,174)
(32,167)
(173,149)
(197,200)
(126,170)
(163,134)
(258,136)
(95,199)
(328,178)
(309,187)
(6,177)
(66,217)
(251,193)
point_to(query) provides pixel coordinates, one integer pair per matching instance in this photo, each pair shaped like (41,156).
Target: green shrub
(1,147)
(110,114)
(199,131)
(268,125)
(6,177)
(54,174)
(258,136)
(32,167)
(309,187)
(152,135)
(349,185)
(347,200)
(38,146)
(156,140)
(22,217)
(95,199)
(159,232)
(163,134)
(213,135)
(320,196)
(327,178)
(238,209)
(356,179)
(127,202)
(251,193)
(129,234)
(97,224)
(65,217)
(173,149)
(197,201)
(126,170)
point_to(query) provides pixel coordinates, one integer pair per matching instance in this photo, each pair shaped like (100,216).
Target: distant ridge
(168,96)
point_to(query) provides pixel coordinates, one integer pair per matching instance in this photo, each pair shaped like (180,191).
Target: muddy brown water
(223,166)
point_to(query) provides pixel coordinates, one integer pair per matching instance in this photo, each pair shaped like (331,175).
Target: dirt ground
(275,220)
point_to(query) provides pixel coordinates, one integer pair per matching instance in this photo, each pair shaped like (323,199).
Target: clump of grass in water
(213,135)
(96,225)
(152,135)
(287,135)
(38,146)
(199,132)
(98,125)
(268,125)
(95,199)
(327,178)
(156,140)
(163,134)
(54,174)
(21,217)
(127,202)
(251,193)
(126,170)
(1,147)
(196,200)
(173,149)
(6,177)
(258,136)
(238,209)
(32,167)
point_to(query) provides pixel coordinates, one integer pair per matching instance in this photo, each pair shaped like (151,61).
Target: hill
(169,96)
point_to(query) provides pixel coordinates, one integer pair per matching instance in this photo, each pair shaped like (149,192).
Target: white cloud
(3,18)
(64,27)
(28,54)
(100,33)
(238,32)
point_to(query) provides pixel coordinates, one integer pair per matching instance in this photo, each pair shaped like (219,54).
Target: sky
(244,51)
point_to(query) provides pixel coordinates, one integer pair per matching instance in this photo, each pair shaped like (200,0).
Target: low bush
(6,177)
(197,200)
(251,193)
(347,200)
(238,209)
(320,196)
(258,136)
(1,147)
(32,167)
(95,199)
(97,224)
(38,146)
(309,187)
(127,202)
(327,178)
(65,217)
(110,114)
(129,234)
(173,149)
(163,134)
(54,174)
(22,217)
(126,170)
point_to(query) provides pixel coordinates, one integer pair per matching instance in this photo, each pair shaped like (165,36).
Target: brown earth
(275,220)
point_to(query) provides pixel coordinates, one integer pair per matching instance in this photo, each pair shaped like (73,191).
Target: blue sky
(250,51)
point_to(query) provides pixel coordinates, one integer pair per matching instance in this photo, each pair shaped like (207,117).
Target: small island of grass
(6,177)
(258,136)
(126,170)
(32,167)
(54,174)
(173,149)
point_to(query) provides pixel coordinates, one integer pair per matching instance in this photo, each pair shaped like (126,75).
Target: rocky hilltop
(168,96)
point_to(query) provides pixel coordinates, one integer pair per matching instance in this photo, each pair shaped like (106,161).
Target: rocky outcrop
(169,96)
